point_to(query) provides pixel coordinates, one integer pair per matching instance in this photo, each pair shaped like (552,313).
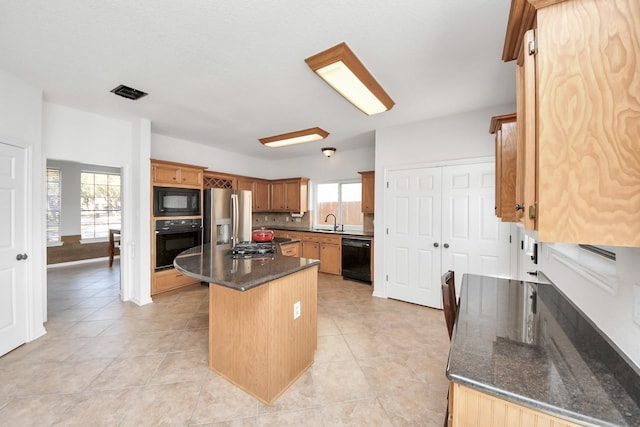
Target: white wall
(20,125)
(444,139)
(182,151)
(79,136)
(345,164)
(612,301)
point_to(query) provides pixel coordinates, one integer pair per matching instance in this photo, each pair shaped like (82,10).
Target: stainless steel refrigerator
(227,217)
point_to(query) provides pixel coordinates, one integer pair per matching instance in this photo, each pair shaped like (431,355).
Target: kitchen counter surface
(323,231)
(526,343)
(218,266)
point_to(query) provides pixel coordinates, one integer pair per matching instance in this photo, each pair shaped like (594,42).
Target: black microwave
(171,201)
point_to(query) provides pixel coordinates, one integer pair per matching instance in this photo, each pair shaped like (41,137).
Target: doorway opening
(84,212)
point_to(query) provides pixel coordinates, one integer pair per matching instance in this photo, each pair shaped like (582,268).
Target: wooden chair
(114,244)
(449,300)
(450,305)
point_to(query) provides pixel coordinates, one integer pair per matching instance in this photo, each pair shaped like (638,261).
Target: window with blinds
(53,205)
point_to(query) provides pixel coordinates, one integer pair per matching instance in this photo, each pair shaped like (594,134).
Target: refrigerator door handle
(234,219)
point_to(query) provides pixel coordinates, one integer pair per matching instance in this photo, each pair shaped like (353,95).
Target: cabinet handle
(519,207)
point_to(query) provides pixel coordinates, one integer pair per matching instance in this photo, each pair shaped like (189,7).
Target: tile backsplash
(279,220)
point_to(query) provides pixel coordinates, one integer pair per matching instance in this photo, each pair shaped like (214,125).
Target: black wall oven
(174,236)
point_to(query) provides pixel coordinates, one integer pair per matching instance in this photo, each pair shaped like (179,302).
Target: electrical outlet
(298,219)
(296,310)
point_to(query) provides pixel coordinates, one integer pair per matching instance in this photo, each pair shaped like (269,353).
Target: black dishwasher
(356,259)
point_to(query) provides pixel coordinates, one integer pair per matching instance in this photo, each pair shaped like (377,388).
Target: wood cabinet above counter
(171,174)
(578,117)
(368,191)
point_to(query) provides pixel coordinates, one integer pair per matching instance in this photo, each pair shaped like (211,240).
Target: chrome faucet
(335,221)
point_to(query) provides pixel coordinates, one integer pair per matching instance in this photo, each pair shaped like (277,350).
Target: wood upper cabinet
(368,191)
(260,192)
(176,174)
(504,128)
(220,180)
(581,117)
(289,195)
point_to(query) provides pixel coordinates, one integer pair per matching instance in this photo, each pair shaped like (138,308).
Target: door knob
(435,245)
(20,257)
(446,245)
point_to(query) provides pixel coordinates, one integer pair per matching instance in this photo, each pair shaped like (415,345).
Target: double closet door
(438,219)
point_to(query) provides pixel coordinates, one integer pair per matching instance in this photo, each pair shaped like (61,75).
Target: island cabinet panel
(471,408)
(254,340)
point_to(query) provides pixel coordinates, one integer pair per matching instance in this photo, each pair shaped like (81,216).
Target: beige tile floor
(105,362)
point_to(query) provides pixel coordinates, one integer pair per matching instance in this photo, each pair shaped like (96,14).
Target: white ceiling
(225,73)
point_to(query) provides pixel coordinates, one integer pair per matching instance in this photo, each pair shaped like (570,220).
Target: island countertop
(211,264)
(526,343)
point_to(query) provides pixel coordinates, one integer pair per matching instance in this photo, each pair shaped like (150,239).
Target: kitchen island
(262,316)
(523,355)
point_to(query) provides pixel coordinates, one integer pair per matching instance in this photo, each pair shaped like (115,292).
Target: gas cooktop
(253,248)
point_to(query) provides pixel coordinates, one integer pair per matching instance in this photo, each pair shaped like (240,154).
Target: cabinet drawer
(310,237)
(289,250)
(330,240)
(168,280)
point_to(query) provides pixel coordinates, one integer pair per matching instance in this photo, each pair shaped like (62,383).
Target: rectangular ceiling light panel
(297,137)
(344,72)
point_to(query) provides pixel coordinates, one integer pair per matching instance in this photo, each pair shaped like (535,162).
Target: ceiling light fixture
(328,151)
(343,71)
(297,137)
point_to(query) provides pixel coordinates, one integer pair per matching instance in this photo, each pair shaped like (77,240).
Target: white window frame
(58,241)
(318,223)
(106,238)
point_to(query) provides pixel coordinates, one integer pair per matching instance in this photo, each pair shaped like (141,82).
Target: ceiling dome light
(328,151)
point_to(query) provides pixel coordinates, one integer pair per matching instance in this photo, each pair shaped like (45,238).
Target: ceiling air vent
(128,92)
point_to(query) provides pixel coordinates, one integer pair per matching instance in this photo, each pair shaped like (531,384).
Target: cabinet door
(278,199)
(191,177)
(368,191)
(311,250)
(261,196)
(165,174)
(530,137)
(292,194)
(330,258)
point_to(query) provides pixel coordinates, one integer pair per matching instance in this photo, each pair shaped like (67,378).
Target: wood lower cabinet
(168,280)
(331,254)
(368,191)
(176,174)
(311,245)
(580,116)
(504,128)
(471,408)
(290,249)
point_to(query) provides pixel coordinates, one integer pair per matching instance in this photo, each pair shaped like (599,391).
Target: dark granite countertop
(323,231)
(217,265)
(526,343)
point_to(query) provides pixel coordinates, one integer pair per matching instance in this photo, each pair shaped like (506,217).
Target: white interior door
(413,203)
(439,219)
(13,265)
(474,240)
